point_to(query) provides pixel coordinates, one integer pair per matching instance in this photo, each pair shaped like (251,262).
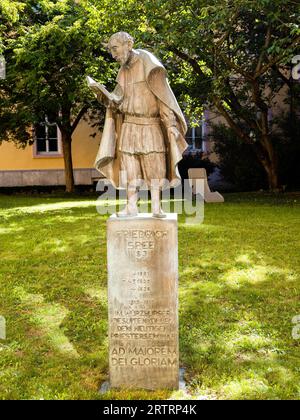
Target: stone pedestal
(142,255)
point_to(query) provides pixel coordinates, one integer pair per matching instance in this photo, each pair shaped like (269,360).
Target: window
(47,138)
(194,137)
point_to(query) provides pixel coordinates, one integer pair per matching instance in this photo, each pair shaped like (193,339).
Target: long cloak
(108,157)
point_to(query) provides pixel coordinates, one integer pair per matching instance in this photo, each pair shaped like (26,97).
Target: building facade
(42,164)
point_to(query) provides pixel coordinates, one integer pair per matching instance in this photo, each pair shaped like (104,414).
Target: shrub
(237,161)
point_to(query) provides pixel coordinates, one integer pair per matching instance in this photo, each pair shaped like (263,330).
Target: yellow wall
(84,147)
(84,150)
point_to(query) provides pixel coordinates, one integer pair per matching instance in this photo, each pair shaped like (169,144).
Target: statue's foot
(159,214)
(128,212)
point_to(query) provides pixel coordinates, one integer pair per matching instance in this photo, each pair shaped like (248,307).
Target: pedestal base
(142,255)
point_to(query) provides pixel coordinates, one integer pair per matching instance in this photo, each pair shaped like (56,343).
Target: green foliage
(237,161)
(238,54)
(227,37)
(240,166)
(9,15)
(55,46)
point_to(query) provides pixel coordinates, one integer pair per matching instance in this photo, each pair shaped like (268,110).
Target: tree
(57,43)
(9,16)
(232,55)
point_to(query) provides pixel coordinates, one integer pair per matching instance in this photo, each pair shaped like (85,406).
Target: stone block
(142,254)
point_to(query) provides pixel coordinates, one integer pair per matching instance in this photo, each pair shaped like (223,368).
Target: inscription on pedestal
(143,314)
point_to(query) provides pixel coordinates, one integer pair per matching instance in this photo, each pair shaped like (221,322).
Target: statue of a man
(143,136)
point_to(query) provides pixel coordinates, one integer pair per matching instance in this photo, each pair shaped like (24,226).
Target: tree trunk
(269,161)
(272,173)
(67,150)
(263,148)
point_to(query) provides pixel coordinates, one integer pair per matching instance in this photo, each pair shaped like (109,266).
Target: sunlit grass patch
(47,318)
(250,342)
(11,230)
(253,274)
(97,293)
(251,387)
(49,207)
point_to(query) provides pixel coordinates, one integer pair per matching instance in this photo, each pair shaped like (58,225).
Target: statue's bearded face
(120,51)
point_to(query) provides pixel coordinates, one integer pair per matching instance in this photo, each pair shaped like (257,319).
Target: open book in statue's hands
(102,93)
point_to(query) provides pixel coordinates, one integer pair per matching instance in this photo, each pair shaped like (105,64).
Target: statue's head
(120,46)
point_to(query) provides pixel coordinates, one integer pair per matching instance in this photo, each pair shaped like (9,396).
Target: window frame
(192,139)
(47,153)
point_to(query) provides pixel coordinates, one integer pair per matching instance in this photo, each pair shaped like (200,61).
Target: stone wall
(47,177)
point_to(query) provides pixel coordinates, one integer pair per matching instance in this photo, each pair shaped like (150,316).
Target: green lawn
(239,290)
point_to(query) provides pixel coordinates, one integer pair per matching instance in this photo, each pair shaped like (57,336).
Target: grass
(239,290)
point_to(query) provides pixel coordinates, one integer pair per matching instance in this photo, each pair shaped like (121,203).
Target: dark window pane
(189,132)
(198,143)
(53,145)
(52,131)
(188,136)
(41,145)
(40,131)
(198,131)
(194,137)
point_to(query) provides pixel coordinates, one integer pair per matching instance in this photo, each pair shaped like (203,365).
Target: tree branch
(232,124)
(277,59)
(184,56)
(266,45)
(238,108)
(78,118)
(220,41)
(282,76)
(256,96)
(235,67)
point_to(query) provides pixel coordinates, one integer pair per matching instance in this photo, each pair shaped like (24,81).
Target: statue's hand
(105,101)
(112,105)
(102,99)
(173,132)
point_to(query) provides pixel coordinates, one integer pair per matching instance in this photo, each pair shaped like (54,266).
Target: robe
(108,157)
